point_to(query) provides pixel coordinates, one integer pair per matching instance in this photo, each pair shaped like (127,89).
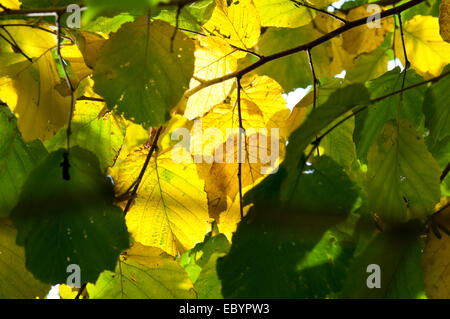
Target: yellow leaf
(425,49)
(266,94)
(363,38)
(10,4)
(261,157)
(32,41)
(238,23)
(444,20)
(228,220)
(170,210)
(298,114)
(435,260)
(282,13)
(30,93)
(213,58)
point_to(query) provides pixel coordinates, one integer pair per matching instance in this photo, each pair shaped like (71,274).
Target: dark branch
(302,47)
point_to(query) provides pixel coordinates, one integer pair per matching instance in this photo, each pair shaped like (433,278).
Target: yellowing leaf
(266,94)
(238,23)
(144,273)
(435,259)
(444,20)
(363,38)
(30,93)
(282,13)
(10,4)
(213,58)
(425,49)
(170,210)
(16,281)
(261,156)
(32,41)
(228,220)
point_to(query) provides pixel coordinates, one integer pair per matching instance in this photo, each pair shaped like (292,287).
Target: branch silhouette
(300,48)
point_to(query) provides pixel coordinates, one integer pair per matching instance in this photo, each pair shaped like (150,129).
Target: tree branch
(300,48)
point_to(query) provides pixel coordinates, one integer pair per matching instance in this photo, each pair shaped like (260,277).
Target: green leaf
(338,144)
(144,272)
(16,281)
(370,122)
(293,250)
(282,13)
(17,159)
(367,66)
(112,7)
(338,103)
(436,109)
(200,263)
(292,71)
(402,176)
(148,83)
(191,17)
(95,130)
(397,252)
(62,222)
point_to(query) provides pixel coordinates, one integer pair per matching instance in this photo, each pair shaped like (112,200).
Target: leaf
(150,82)
(112,7)
(368,66)
(275,40)
(261,157)
(237,23)
(77,214)
(397,253)
(402,176)
(16,281)
(95,130)
(444,20)
(282,13)
(29,90)
(364,39)
(294,71)
(272,255)
(337,104)
(10,4)
(436,110)
(425,49)
(213,59)
(170,211)
(191,16)
(370,122)
(203,257)
(266,94)
(17,159)
(435,260)
(144,272)
(339,145)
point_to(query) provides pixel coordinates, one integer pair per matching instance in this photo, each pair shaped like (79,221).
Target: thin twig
(314,84)
(138,181)
(241,130)
(80,292)
(445,172)
(300,48)
(67,78)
